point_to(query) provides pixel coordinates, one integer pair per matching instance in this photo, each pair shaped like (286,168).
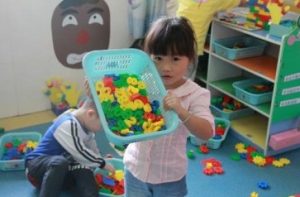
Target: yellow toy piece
(277,164)
(277,12)
(239,146)
(118,175)
(254,194)
(285,161)
(259,161)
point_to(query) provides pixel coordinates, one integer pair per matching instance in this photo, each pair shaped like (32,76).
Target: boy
(67,154)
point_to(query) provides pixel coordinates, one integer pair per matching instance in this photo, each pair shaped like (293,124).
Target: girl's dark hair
(171,36)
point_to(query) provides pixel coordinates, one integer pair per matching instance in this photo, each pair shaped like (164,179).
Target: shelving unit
(279,65)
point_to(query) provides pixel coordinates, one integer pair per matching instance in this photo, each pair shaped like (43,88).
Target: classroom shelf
(275,65)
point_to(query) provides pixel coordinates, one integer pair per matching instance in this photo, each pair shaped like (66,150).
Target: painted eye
(69,20)
(96,18)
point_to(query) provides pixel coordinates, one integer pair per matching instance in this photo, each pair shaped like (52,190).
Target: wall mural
(79,26)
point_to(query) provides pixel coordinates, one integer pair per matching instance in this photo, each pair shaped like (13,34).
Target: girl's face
(172,69)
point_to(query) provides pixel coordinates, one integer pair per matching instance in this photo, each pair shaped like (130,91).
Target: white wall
(27,56)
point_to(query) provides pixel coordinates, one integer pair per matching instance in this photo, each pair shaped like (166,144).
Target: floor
(26,120)
(239,180)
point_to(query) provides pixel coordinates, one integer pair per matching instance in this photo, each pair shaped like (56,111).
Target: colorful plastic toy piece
(190,154)
(254,194)
(203,149)
(263,185)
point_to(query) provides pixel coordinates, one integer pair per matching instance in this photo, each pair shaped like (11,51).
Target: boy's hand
(109,167)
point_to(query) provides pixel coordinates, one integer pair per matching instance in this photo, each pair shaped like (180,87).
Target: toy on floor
(126,105)
(62,94)
(190,154)
(250,154)
(254,194)
(295,195)
(212,166)
(263,185)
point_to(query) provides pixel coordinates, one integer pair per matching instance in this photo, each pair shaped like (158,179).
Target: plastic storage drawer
(231,115)
(234,48)
(15,164)
(252,98)
(212,143)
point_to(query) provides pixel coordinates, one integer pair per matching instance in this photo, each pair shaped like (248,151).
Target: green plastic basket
(15,164)
(118,165)
(98,64)
(212,143)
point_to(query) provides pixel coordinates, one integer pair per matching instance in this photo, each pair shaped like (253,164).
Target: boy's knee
(60,163)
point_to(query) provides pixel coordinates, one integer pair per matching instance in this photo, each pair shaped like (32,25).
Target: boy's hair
(89,104)
(171,36)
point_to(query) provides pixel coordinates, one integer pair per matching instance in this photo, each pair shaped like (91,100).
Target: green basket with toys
(221,130)
(14,146)
(109,185)
(128,93)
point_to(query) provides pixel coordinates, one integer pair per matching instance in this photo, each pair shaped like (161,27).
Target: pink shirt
(164,159)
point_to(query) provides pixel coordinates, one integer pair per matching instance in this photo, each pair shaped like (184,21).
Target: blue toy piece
(263,185)
(108,181)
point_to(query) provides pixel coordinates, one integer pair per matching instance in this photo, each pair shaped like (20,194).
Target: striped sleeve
(71,137)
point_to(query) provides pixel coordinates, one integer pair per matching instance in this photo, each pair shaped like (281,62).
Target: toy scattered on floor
(295,195)
(126,105)
(62,94)
(190,154)
(254,194)
(263,185)
(212,166)
(16,149)
(250,154)
(203,148)
(112,184)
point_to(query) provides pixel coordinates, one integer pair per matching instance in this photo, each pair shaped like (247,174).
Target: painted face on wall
(79,26)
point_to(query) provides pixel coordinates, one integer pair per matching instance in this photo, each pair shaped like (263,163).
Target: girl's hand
(171,102)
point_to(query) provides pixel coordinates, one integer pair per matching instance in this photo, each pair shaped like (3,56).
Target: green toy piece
(190,154)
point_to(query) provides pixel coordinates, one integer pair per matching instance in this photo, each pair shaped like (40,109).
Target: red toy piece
(204,149)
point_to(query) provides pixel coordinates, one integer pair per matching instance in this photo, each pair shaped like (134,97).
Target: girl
(158,167)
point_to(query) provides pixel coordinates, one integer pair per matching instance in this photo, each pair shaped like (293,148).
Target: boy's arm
(69,135)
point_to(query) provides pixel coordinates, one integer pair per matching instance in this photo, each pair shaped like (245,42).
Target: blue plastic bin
(16,164)
(97,64)
(239,47)
(118,165)
(212,143)
(231,115)
(254,99)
